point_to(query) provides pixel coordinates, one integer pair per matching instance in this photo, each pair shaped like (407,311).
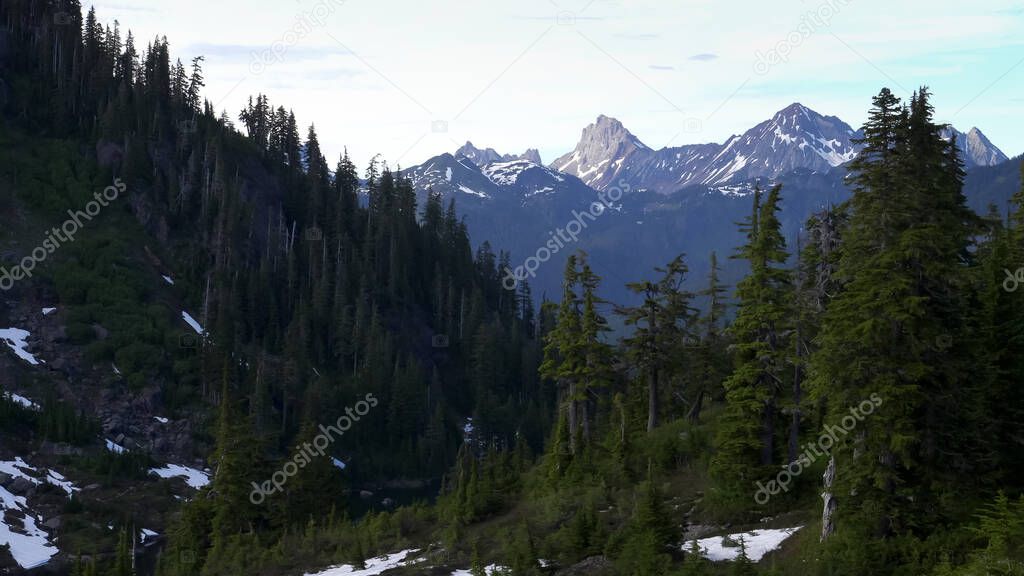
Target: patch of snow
(506,173)
(448,174)
(57,479)
(16,469)
(161,420)
(48,311)
(17,340)
(583,174)
(468,190)
(193,477)
(169,280)
(544,190)
(146,534)
(338,463)
(114,447)
(116,371)
(374,566)
(29,545)
(18,399)
(574,159)
(192,322)
(758,543)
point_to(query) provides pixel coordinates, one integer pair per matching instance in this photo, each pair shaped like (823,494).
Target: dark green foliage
(905,291)
(522,553)
(695,563)
(747,435)
(663,326)
(742,566)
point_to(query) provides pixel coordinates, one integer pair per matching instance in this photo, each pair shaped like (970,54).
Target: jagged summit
(485,156)
(605,146)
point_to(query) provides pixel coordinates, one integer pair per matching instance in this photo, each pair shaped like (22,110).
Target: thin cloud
(100,7)
(640,36)
(565,18)
(704,57)
(246,51)
(661,67)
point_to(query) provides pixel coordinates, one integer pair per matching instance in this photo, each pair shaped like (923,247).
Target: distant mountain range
(679,199)
(795,137)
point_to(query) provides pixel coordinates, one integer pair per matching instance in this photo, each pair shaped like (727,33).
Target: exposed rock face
(975,148)
(593,566)
(532,155)
(483,157)
(606,149)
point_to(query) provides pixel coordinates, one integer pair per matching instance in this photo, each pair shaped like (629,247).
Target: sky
(409,79)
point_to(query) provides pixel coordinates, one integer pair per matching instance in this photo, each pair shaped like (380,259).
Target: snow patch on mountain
(757,542)
(17,340)
(374,566)
(29,544)
(194,478)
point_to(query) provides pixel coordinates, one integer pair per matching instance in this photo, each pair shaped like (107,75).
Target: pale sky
(411,79)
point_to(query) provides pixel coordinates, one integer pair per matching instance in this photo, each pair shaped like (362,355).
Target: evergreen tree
(747,431)
(903,266)
(563,355)
(662,328)
(711,359)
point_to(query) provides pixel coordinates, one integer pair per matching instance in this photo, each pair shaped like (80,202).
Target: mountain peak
(533,155)
(975,148)
(603,148)
(603,120)
(794,108)
(483,157)
(478,156)
(796,114)
(609,129)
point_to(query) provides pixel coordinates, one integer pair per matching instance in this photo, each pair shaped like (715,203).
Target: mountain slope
(975,148)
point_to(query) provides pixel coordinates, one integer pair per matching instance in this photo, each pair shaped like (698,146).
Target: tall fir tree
(746,442)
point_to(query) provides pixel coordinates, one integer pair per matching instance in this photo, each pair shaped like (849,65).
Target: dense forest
(886,327)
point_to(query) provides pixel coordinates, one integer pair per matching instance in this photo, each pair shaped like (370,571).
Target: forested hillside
(329,351)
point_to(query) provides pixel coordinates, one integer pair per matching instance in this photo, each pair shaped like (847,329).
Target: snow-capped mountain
(795,137)
(975,148)
(493,176)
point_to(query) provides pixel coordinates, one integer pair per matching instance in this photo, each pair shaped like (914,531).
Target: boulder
(592,566)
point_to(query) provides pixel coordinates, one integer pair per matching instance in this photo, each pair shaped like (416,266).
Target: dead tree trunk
(573,421)
(829,506)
